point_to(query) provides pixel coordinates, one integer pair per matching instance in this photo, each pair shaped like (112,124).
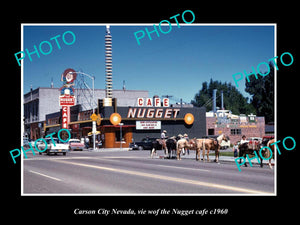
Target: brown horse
(183,143)
(210,144)
(266,153)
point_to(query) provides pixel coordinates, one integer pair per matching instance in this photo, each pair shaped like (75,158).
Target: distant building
(42,101)
(233,126)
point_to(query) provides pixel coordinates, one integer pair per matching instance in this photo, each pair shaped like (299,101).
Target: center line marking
(44,175)
(162,177)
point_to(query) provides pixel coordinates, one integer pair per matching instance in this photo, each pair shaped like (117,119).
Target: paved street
(116,172)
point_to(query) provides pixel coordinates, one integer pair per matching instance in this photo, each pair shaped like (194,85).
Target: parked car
(75,144)
(254,142)
(144,144)
(25,142)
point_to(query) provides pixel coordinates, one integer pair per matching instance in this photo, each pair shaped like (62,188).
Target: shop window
(235,131)
(118,135)
(211,131)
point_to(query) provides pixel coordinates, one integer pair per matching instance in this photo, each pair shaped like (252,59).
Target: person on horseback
(163,135)
(244,140)
(243,147)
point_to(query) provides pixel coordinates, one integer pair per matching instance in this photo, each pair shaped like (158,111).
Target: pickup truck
(59,147)
(144,144)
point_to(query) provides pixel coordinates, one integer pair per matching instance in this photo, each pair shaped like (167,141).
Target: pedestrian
(186,137)
(163,137)
(235,149)
(87,140)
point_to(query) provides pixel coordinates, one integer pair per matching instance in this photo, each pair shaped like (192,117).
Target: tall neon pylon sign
(108,63)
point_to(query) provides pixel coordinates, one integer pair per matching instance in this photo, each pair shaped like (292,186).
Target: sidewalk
(186,156)
(221,158)
(107,150)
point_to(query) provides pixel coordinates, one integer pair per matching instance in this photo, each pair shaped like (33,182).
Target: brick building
(222,122)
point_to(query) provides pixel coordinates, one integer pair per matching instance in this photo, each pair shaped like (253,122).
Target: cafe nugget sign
(157,109)
(145,109)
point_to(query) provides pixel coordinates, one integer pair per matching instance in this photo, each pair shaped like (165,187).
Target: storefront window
(235,131)
(118,135)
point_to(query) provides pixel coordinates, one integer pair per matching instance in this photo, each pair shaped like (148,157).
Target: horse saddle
(160,141)
(215,141)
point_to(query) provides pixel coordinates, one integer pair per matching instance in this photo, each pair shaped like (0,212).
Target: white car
(75,144)
(225,144)
(53,146)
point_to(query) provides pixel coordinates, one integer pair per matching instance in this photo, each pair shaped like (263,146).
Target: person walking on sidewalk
(235,149)
(87,141)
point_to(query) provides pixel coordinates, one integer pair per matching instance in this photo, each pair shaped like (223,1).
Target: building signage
(152,113)
(67,98)
(156,102)
(65,116)
(153,108)
(148,125)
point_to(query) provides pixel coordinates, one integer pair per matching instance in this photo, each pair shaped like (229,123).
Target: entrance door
(211,131)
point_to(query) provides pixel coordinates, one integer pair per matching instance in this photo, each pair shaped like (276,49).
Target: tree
(233,99)
(262,93)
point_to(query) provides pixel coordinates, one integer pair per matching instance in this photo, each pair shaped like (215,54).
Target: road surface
(135,173)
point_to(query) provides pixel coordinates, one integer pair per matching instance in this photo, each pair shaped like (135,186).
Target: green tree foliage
(262,93)
(233,99)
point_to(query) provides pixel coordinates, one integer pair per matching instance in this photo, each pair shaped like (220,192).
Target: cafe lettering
(145,109)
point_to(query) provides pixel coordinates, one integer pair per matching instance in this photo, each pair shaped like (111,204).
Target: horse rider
(163,135)
(243,141)
(242,146)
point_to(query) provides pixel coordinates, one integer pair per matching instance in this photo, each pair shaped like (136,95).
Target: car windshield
(55,140)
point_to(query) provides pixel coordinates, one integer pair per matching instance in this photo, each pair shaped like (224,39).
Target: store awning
(91,133)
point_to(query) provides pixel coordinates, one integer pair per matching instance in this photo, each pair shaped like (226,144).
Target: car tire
(140,148)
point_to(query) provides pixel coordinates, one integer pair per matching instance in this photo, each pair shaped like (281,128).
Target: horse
(181,144)
(210,144)
(245,150)
(199,144)
(266,152)
(158,144)
(171,146)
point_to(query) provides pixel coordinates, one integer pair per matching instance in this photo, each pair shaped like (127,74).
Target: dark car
(144,144)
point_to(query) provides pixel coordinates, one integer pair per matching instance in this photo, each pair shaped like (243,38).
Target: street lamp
(121,124)
(94,122)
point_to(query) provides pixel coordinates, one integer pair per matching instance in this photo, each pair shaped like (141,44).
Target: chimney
(222,102)
(214,108)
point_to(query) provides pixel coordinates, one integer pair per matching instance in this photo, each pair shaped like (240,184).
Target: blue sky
(173,64)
